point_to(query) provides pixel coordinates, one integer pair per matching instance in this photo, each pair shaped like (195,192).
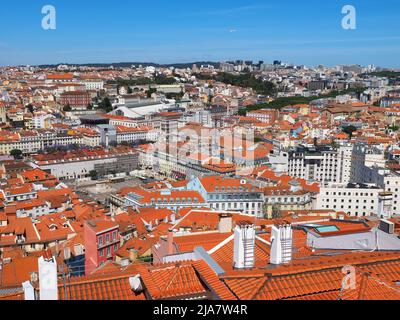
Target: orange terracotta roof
(18,271)
(369,287)
(211,183)
(324,282)
(112,288)
(172,281)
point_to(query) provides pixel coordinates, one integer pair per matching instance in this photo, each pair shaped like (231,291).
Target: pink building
(102,241)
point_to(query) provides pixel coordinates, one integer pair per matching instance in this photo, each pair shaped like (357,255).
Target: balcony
(107,244)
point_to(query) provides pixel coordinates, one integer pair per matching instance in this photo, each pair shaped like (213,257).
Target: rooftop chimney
(281,244)
(29,292)
(225,223)
(136,284)
(385,209)
(244,241)
(386,226)
(170,242)
(48,286)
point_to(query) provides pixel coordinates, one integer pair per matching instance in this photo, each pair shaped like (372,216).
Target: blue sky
(165,31)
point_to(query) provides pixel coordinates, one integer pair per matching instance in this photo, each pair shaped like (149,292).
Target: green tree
(106,105)
(161,79)
(30,108)
(150,92)
(67,108)
(282,102)
(276,212)
(94,175)
(175,96)
(349,130)
(16,153)
(246,80)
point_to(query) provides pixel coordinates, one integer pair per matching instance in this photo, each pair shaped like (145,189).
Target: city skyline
(309,34)
(228,151)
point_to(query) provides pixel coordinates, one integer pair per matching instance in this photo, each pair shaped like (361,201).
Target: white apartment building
(125,134)
(79,168)
(203,117)
(231,194)
(169,199)
(30,142)
(365,157)
(32,208)
(41,120)
(92,140)
(287,200)
(94,84)
(356,200)
(321,163)
(391,184)
(370,167)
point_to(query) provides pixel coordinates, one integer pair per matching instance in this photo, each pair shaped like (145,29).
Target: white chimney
(48,286)
(29,292)
(225,223)
(136,283)
(244,241)
(281,244)
(385,201)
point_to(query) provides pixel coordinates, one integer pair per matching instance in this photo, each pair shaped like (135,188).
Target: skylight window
(326,229)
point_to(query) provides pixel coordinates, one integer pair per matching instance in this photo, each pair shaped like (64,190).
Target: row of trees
(142,81)
(280,103)
(246,80)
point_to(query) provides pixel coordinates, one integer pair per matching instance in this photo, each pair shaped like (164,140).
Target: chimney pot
(281,244)
(244,243)
(48,286)
(170,242)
